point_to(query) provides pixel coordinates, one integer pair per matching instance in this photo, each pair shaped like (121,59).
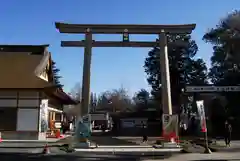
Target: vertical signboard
(201,112)
(43,119)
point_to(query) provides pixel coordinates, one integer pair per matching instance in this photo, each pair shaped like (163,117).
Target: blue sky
(32,22)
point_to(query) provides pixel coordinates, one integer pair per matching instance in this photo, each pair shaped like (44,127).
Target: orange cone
(46,150)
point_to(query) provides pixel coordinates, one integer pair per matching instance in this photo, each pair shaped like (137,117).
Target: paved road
(30,154)
(205,157)
(90,157)
(111,140)
(72,157)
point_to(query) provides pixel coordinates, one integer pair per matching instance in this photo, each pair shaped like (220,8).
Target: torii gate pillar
(165,76)
(85,99)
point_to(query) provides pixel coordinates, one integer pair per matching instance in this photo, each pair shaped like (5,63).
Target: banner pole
(201,112)
(207,150)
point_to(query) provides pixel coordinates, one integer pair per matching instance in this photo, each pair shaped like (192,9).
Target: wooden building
(28,95)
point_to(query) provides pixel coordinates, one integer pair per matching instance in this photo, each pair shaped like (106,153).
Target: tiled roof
(19,65)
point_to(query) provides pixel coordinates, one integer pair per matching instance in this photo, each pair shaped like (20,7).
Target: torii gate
(125,30)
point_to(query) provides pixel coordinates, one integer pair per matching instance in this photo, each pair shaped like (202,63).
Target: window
(8,119)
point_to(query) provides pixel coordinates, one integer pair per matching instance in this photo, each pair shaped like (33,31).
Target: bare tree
(114,101)
(75,93)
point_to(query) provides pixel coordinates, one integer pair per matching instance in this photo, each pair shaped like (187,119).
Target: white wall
(27,119)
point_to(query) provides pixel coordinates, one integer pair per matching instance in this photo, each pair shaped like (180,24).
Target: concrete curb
(131,153)
(125,146)
(127,150)
(28,147)
(30,141)
(13,144)
(34,141)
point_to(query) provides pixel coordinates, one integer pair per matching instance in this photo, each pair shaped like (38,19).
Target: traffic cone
(46,150)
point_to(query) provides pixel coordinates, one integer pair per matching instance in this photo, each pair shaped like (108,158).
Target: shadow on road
(84,157)
(213,160)
(108,140)
(73,157)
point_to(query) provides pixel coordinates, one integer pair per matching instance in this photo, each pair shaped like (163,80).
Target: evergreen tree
(142,99)
(184,69)
(56,76)
(225,70)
